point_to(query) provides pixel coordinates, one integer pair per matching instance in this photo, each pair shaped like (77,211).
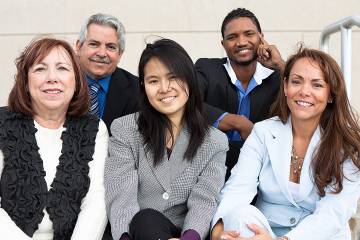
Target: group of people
(281,134)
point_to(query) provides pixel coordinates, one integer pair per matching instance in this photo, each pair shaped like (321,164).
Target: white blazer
(264,166)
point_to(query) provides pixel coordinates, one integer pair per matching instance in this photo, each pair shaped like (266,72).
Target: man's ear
(78,46)
(222,42)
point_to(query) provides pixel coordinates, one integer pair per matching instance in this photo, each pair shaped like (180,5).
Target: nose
(164,85)
(52,76)
(102,51)
(241,41)
(305,90)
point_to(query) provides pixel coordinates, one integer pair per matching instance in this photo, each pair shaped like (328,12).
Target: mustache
(100,59)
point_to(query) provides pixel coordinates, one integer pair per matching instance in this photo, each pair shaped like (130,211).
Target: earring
(330,100)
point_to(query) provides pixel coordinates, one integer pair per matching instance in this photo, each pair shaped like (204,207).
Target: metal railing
(344,26)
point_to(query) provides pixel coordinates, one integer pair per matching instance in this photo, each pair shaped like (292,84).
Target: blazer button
(165,196)
(292,220)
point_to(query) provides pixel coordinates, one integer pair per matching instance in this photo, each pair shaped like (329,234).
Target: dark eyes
(110,46)
(298,82)
(152,81)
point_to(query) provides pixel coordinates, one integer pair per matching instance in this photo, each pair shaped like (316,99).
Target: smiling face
(306,91)
(100,53)
(51,82)
(241,40)
(165,91)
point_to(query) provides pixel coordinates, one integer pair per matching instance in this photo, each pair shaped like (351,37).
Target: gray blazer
(184,191)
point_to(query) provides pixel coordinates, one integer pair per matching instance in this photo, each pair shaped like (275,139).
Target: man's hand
(236,122)
(269,55)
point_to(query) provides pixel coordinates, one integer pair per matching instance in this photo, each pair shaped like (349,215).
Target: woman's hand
(229,235)
(260,233)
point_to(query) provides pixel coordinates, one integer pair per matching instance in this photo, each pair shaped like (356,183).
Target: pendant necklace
(296,161)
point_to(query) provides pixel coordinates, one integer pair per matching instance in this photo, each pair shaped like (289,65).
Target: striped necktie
(94,100)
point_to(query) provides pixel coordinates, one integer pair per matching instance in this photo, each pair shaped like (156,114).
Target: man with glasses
(113,91)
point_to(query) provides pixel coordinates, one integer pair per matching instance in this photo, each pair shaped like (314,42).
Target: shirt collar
(104,82)
(260,74)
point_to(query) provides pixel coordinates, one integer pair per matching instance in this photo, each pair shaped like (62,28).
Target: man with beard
(238,90)
(113,91)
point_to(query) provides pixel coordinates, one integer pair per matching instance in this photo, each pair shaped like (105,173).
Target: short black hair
(237,13)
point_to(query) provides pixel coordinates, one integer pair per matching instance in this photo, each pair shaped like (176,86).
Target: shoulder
(4,111)
(275,77)
(126,125)
(124,73)
(210,62)
(268,125)
(217,139)
(269,129)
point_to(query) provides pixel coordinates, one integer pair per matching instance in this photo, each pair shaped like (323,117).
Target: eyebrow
(98,42)
(58,63)
(313,79)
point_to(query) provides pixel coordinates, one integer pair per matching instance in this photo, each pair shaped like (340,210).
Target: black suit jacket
(220,96)
(220,93)
(122,97)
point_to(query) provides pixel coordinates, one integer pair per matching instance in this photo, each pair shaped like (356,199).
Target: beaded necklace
(296,162)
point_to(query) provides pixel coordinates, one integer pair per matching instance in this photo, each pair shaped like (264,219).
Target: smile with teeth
(242,51)
(167,99)
(303,103)
(52,91)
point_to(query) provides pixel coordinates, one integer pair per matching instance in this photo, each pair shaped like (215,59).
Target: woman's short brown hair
(19,98)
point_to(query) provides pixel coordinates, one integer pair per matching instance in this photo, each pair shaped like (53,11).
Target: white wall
(193,23)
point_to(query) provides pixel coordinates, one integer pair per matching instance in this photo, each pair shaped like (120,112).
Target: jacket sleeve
(92,218)
(121,178)
(8,228)
(212,113)
(241,187)
(332,211)
(203,198)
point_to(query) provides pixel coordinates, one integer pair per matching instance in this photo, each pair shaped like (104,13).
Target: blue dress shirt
(104,83)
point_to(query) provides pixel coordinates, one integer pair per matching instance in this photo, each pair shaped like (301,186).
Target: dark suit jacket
(220,93)
(122,97)
(220,96)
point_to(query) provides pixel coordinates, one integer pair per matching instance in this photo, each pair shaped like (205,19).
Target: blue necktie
(94,100)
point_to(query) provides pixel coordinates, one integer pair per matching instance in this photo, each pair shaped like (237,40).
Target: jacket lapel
(279,145)
(306,183)
(116,97)
(177,161)
(168,169)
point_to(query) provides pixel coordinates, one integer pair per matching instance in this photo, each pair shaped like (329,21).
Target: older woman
(52,152)
(304,163)
(166,165)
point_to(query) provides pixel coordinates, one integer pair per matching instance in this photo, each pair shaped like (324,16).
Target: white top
(92,217)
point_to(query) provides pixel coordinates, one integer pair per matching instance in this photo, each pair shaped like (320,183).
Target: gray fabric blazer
(185,192)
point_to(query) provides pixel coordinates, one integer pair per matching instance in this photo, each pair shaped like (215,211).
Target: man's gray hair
(104,20)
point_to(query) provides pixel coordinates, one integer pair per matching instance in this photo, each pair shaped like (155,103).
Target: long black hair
(154,125)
